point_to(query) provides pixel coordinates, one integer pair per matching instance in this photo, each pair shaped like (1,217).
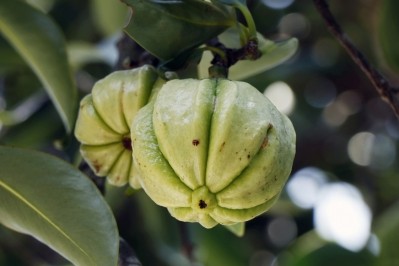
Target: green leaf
(169,27)
(273,54)
(110,16)
(388,33)
(39,41)
(50,200)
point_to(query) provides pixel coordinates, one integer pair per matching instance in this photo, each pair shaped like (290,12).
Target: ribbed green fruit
(104,120)
(212,151)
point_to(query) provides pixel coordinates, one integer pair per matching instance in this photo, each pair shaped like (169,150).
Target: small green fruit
(212,151)
(105,116)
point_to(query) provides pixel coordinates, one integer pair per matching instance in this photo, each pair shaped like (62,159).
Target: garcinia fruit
(212,151)
(104,120)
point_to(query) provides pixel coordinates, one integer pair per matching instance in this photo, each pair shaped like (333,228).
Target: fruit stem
(218,71)
(248,18)
(218,51)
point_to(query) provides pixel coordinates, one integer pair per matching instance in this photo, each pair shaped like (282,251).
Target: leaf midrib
(44,217)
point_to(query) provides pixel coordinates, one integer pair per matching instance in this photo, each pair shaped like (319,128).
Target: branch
(221,64)
(386,91)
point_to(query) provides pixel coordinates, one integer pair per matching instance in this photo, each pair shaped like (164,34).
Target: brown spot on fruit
(127,143)
(196,142)
(222,146)
(249,156)
(264,143)
(202,204)
(97,166)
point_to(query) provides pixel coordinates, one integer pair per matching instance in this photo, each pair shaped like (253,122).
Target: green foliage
(42,45)
(273,54)
(159,26)
(49,199)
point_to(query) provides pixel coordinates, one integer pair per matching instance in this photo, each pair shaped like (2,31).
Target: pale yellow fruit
(212,151)
(105,116)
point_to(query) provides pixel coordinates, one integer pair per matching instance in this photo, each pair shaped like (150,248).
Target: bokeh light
(360,147)
(392,127)
(281,231)
(295,25)
(367,149)
(325,52)
(282,96)
(277,4)
(304,186)
(319,92)
(341,215)
(262,258)
(345,105)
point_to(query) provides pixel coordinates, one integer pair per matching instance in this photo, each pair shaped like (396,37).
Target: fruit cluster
(212,151)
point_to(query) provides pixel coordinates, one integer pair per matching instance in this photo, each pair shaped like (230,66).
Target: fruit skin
(104,119)
(212,151)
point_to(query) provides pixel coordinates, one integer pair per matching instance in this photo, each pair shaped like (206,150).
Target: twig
(386,91)
(220,64)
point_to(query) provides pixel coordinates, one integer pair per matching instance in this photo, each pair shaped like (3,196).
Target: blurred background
(340,205)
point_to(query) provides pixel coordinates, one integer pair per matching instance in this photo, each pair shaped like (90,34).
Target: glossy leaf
(168,28)
(388,33)
(39,41)
(44,197)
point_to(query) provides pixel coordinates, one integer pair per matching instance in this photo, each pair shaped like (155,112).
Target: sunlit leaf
(168,28)
(39,41)
(44,197)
